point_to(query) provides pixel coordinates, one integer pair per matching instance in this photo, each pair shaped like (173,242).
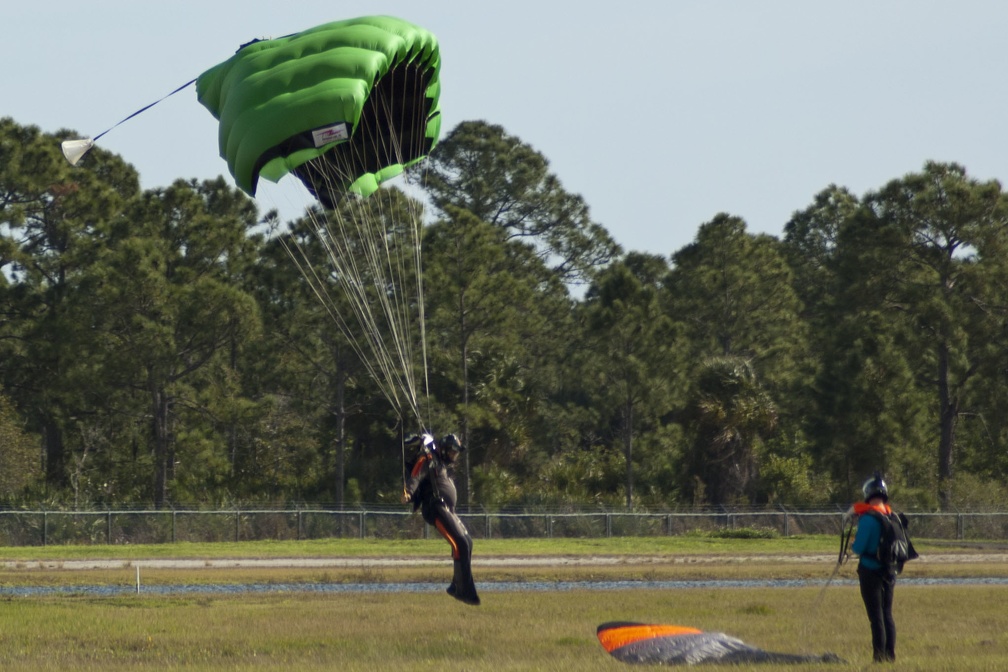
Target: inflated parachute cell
(344,106)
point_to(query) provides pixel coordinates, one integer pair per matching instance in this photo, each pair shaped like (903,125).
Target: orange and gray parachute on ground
(680,645)
(344,106)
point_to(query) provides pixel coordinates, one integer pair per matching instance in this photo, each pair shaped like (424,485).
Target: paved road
(493,561)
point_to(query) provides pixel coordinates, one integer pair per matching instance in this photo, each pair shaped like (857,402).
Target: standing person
(877,578)
(429,486)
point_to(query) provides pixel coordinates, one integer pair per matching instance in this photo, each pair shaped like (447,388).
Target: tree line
(158,347)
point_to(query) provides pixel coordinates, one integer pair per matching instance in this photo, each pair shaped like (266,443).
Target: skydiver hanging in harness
(430,488)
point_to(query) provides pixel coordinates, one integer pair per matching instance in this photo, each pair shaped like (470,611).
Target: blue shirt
(866,541)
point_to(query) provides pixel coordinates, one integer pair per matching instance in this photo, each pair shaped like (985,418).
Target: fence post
(45,528)
(237,522)
(108,528)
(173,526)
(362,524)
(300,530)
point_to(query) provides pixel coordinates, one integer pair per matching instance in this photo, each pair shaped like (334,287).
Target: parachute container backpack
(344,106)
(895,548)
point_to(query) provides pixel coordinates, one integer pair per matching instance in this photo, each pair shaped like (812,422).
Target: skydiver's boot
(453,588)
(462,587)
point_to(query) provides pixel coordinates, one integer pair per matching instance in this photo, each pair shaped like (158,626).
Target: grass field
(940,627)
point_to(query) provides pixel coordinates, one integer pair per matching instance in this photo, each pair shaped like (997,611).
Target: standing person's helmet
(875,487)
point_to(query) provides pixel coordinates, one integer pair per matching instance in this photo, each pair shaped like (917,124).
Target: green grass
(940,627)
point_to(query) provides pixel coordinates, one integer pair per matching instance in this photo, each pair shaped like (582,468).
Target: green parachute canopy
(344,106)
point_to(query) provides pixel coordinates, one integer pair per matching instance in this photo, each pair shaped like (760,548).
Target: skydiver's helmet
(450,447)
(875,487)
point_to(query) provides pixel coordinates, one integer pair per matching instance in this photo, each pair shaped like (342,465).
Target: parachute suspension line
(402,450)
(375,256)
(364,262)
(411,308)
(416,220)
(299,256)
(845,536)
(337,252)
(284,100)
(846,528)
(364,336)
(412,88)
(363,256)
(319,287)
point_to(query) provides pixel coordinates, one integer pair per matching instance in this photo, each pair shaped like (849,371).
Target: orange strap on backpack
(862,508)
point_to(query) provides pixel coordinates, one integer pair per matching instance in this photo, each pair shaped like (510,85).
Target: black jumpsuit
(432,490)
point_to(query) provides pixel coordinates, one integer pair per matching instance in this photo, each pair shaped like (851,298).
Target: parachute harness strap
(432,467)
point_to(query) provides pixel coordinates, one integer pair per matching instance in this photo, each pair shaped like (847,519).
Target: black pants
(877,592)
(450,526)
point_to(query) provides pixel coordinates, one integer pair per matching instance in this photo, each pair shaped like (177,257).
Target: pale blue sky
(660,113)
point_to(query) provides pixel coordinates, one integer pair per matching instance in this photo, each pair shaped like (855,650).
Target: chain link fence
(41,528)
